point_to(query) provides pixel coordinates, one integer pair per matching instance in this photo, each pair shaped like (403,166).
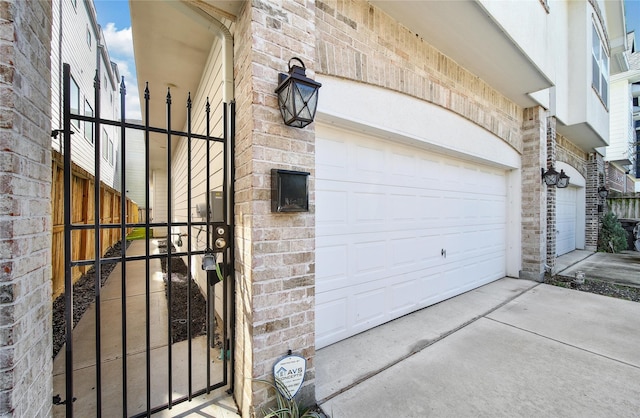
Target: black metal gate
(142,368)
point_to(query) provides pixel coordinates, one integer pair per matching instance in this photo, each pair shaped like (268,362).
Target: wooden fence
(83,204)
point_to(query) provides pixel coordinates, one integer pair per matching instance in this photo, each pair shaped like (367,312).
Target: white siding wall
(135,168)
(159,201)
(71,46)
(210,87)
(620,124)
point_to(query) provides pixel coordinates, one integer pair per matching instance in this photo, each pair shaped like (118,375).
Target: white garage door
(566,214)
(398,229)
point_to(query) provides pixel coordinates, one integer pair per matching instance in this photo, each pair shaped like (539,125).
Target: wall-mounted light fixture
(603,192)
(563,180)
(550,177)
(297,96)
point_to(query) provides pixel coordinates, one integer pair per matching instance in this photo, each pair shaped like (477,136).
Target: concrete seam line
(418,349)
(635,366)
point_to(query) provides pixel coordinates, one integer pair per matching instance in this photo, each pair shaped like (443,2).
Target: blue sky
(113,16)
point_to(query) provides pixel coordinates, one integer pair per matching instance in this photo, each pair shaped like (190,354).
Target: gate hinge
(57,400)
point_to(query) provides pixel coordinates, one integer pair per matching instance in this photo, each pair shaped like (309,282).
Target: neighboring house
(623,167)
(434,122)
(77,40)
(135,172)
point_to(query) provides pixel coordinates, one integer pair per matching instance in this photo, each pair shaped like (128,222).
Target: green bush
(287,407)
(612,237)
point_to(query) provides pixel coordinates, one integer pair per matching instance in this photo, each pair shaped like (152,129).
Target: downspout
(216,27)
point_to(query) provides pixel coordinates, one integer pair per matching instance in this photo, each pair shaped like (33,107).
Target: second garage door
(566,219)
(399,228)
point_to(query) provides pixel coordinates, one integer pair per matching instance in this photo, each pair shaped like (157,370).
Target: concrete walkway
(622,268)
(512,348)
(216,404)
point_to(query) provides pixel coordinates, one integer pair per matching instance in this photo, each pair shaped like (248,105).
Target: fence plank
(82,201)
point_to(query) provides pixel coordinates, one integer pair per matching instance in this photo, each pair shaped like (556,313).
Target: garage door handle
(443,253)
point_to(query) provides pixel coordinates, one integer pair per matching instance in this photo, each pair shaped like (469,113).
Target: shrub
(612,237)
(287,407)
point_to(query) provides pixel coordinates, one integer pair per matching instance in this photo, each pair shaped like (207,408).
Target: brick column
(534,198)
(551,195)
(275,251)
(595,179)
(25,214)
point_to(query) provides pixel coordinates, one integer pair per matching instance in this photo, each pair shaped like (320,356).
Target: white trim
(392,115)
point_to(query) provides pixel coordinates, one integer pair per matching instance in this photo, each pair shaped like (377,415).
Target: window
(110,151)
(104,146)
(600,67)
(89,37)
(107,147)
(75,102)
(88,126)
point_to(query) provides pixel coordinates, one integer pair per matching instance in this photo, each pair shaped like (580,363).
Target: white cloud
(119,42)
(120,46)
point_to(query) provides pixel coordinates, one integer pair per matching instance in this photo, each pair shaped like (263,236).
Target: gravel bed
(84,296)
(180,284)
(599,287)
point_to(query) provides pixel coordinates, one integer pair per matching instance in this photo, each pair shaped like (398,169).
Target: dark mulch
(599,287)
(83,296)
(180,283)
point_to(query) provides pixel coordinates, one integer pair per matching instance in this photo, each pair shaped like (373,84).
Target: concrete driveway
(622,268)
(513,348)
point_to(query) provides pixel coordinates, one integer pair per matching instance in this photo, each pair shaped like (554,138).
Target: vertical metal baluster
(169,245)
(147,248)
(210,331)
(123,246)
(189,361)
(225,219)
(96,241)
(68,283)
(229,145)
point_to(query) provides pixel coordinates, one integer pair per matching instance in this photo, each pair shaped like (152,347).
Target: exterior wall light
(603,192)
(297,96)
(563,180)
(550,177)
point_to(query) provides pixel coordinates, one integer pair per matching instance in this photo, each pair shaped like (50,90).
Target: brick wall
(534,200)
(25,214)
(275,259)
(360,42)
(595,179)
(571,154)
(551,194)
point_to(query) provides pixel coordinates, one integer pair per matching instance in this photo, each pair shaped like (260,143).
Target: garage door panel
(334,325)
(331,160)
(367,207)
(333,205)
(566,220)
(404,297)
(369,257)
(369,307)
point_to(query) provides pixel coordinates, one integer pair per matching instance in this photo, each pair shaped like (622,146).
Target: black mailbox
(289,191)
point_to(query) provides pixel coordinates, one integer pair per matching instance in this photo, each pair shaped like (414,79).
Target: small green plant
(287,406)
(612,237)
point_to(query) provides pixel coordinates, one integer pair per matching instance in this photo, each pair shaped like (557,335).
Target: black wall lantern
(563,180)
(552,178)
(297,96)
(603,192)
